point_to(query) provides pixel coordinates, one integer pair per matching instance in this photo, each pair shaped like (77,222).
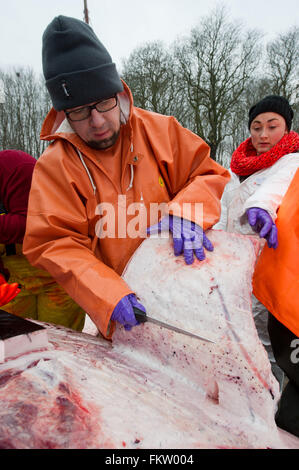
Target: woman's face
(266,130)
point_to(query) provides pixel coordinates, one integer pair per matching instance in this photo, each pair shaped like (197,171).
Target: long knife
(143,317)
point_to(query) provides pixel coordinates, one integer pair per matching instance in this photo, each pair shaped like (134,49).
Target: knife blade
(143,317)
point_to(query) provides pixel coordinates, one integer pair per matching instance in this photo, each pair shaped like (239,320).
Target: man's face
(101,129)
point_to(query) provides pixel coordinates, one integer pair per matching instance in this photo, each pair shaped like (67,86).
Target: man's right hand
(123,312)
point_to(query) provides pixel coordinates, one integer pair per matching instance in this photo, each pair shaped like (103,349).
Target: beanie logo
(63,84)
(161,182)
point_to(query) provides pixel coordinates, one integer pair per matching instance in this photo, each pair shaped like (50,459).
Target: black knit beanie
(273,104)
(77,67)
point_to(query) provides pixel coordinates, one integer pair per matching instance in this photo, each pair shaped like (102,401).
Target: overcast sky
(123,25)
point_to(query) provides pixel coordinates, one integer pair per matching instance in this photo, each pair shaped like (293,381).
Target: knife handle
(140,315)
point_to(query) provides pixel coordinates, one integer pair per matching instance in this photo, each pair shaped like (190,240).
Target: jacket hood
(56,125)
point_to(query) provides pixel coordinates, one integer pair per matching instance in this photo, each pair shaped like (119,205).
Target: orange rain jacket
(159,161)
(276,279)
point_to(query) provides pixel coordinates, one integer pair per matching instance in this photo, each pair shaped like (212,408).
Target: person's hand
(262,223)
(8,292)
(188,237)
(123,312)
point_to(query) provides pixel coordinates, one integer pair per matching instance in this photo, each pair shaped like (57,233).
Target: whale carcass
(151,387)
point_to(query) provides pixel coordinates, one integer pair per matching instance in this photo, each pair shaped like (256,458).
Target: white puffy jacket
(265,189)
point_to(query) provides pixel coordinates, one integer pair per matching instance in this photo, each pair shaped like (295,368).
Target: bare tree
(278,74)
(150,72)
(283,59)
(26,103)
(216,63)
(283,63)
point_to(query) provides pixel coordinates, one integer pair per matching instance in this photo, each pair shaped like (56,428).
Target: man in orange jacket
(275,284)
(107,162)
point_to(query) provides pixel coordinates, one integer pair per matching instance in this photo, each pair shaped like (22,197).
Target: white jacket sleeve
(225,201)
(222,222)
(270,192)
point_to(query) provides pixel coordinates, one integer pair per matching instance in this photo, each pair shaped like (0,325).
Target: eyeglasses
(101,106)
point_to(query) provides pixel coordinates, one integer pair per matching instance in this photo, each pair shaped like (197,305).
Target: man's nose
(96,119)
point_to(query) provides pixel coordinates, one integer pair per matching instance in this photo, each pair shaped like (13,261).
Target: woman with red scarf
(262,170)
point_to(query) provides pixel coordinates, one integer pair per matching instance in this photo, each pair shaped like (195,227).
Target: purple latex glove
(123,312)
(262,223)
(188,237)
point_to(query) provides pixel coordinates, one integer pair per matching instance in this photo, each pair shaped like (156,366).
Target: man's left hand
(188,237)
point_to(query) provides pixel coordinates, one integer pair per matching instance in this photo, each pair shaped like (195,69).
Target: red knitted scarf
(245,161)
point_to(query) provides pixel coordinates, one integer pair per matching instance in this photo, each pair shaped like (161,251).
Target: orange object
(155,160)
(276,276)
(8,292)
